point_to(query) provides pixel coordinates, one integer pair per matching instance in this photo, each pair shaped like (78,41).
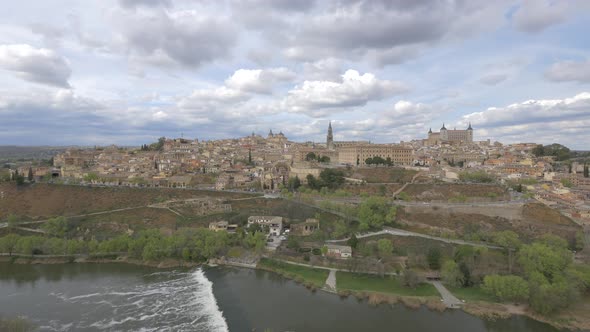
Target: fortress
(446,135)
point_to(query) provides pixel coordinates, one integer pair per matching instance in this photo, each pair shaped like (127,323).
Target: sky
(129,71)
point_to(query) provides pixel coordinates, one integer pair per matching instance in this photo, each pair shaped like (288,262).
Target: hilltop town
(257,163)
(347,217)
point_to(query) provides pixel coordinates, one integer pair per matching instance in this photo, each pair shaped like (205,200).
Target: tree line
(190,244)
(544,274)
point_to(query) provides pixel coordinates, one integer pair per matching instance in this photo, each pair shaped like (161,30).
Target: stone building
(453,135)
(357,154)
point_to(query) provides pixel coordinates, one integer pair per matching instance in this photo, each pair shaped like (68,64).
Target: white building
(274,223)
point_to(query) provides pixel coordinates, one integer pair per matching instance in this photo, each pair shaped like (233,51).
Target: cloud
(145,3)
(546,120)
(189,38)
(313,98)
(387,32)
(569,71)
(259,80)
(207,100)
(39,65)
(329,69)
(493,79)
(284,6)
(534,16)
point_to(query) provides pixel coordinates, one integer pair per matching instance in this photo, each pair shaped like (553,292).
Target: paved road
(331,281)
(448,298)
(401,232)
(335,268)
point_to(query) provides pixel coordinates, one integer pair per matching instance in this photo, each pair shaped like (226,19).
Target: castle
(453,135)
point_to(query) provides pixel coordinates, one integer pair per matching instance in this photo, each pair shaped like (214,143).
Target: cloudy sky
(129,71)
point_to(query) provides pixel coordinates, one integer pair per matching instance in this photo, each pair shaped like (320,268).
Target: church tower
(330,138)
(444,135)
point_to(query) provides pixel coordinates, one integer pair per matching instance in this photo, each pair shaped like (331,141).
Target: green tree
(151,250)
(451,275)
(506,288)
(8,243)
(257,241)
(56,226)
(586,171)
(385,248)
(375,212)
(12,221)
(434,257)
(294,183)
(547,260)
(30,175)
(411,278)
(310,156)
(353,241)
(332,178)
(293,242)
(567,183)
(507,239)
(324,250)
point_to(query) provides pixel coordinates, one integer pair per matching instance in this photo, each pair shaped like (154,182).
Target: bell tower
(330,138)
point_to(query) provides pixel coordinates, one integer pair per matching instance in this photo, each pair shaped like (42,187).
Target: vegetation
(451,275)
(385,248)
(546,276)
(56,226)
(329,178)
(150,245)
(379,161)
(476,177)
(434,257)
(311,156)
(293,184)
(558,151)
(375,212)
(16,325)
(374,283)
(316,277)
(506,288)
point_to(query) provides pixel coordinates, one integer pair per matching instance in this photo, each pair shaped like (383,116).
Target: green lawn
(387,284)
(471,294)
(315,276)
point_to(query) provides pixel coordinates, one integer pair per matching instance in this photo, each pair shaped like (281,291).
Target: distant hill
(13,153)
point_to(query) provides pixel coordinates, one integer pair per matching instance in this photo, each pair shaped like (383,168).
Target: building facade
(358,154)
(452,135)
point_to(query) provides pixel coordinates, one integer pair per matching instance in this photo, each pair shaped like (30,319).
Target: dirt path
(405,185)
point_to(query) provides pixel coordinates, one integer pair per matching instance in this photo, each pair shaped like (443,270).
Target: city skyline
(126,72)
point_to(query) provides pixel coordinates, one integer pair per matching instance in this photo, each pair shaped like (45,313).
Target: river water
(120,297)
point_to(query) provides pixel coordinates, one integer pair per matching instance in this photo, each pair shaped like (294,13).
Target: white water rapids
(167,301)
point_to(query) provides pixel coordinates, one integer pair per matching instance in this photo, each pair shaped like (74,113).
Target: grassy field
(471,294)
(317,277)
(45,200)
(373,283)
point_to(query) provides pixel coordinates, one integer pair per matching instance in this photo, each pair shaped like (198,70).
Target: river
(120,297)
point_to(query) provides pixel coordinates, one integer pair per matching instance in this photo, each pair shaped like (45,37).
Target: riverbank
(383,292)
(163,264)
